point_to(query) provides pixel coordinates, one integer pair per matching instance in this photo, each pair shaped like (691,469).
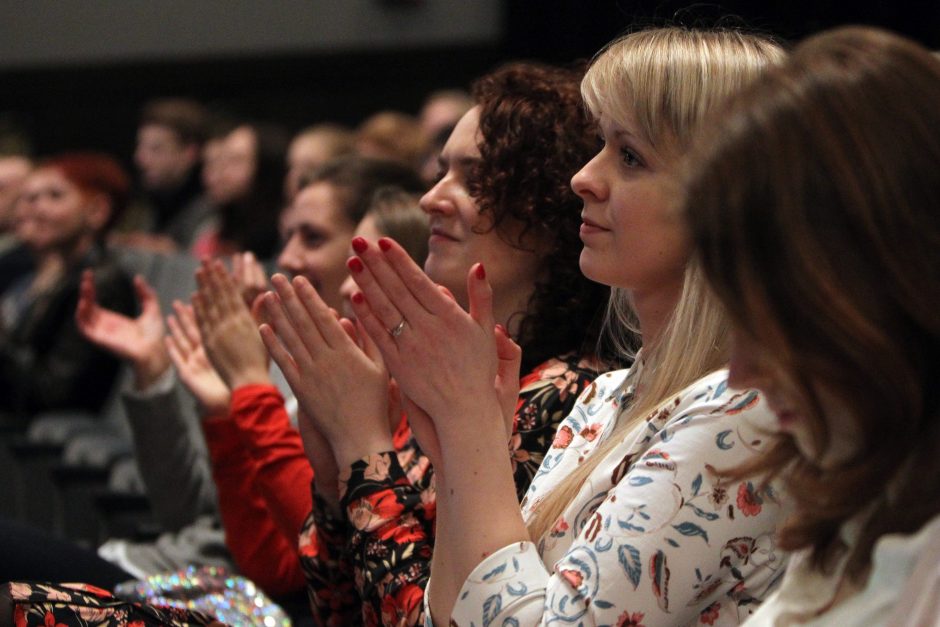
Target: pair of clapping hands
(455,370)
(217,323)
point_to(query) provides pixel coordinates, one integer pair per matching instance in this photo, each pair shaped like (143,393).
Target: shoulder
(711,397)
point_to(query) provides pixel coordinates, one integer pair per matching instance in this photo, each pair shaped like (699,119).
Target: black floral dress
(372,565)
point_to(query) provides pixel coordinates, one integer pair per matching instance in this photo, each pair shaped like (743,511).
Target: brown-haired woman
(502,196)
(814,209)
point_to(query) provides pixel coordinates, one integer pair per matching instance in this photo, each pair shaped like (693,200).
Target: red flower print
(591,431)
(560,527)
(136,623)
(573,577)
(628,619)
(402,607)
(307,542)
(563,437)
(748,501)
(49,621)
(19,616)
(368,514)
(710,614)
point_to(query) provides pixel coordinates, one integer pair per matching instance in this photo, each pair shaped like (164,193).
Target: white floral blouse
(654,537)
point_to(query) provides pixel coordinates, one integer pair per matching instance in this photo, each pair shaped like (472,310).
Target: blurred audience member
(15,258)
(68,204)
(311,148)
(443,109)
(13,171)
(394,136)
(168,155)
(244,176)
(393,213)
(439,115)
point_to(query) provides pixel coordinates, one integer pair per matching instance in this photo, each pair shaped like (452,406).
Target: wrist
(150,369)
(248,376)
(351,451)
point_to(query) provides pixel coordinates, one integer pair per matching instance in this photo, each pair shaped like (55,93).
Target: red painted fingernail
(354,264)
(359,244)
(385,244)
(357,298)
(481,273)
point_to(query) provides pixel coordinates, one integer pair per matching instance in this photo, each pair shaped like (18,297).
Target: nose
(588,183)
(289,260)
(346,290)
(746,368)
(437,200)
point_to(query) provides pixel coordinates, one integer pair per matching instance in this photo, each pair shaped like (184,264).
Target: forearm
(172,456)
(478,512)
(283,473)
(260,549)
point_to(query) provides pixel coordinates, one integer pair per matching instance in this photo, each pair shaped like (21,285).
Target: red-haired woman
(68,203)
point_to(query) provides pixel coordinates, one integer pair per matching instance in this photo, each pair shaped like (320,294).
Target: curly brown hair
(534,135)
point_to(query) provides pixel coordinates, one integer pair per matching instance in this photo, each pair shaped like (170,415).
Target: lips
(589,227)
(438,234)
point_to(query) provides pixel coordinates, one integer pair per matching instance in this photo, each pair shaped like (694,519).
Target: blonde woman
(627,521)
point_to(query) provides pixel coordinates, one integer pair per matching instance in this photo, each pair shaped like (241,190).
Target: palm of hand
(198,375)
(234,347)
(133,339)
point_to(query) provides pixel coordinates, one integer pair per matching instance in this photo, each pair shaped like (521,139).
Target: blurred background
(74,73)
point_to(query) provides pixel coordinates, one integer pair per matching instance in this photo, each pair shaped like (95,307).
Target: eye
(630,158)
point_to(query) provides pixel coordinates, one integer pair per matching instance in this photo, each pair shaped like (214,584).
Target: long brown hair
(814,207)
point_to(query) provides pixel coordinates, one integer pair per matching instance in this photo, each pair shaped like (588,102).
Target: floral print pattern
(80,605)
(384,545)
(655,536)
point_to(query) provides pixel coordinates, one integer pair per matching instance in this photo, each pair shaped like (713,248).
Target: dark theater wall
(72,85)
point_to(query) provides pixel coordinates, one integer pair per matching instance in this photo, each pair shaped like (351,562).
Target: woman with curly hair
(627,520)
(502,196)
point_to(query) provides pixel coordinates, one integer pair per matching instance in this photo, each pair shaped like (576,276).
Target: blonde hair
(664,82)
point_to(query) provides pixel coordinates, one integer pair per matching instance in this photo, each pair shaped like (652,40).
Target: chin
(591,270)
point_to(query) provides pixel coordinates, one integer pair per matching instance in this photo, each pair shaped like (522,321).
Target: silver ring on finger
(397,329)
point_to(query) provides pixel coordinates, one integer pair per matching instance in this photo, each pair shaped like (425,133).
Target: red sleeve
(261,551)
(283,472)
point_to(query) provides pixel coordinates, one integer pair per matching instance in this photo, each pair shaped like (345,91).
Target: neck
(508,303)
(653,309)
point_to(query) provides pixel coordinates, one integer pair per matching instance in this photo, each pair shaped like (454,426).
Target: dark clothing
(182,213)
(45,363)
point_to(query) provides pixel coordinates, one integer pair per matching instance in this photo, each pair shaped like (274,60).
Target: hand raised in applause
(193,367)
(136,340)
(252,281)
(229,333)
(340,385)
(444,359)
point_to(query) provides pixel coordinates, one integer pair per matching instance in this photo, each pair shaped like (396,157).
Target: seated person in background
(256,456)
(438,117)
(393,135)
(68,204)
(311,148)
(168,157)
(244,177)
(828,264)
(15,258)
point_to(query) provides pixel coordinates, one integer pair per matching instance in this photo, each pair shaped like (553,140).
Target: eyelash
(630,158)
